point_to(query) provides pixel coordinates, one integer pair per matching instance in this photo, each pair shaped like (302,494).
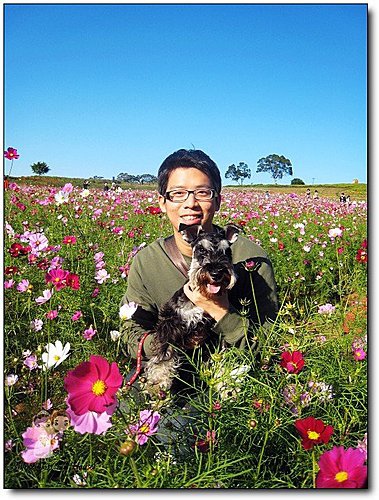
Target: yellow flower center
(57,358)
(341,476)
(57,279)
(313,435)
(358,354)
(99,388)
(144,428)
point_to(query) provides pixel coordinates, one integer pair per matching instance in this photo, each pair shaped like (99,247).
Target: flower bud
(128,447)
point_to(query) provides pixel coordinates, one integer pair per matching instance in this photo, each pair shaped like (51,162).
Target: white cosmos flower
(127,310)
(85,193)
(115,335)
(55,354)
(61,197)
(11,379)
(333,233)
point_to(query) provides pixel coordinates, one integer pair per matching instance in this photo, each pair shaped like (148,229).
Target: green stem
(255,300)
(313,469)
(135,471)
(261,455)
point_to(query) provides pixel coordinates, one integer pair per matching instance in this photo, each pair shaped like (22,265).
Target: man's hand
(217,307)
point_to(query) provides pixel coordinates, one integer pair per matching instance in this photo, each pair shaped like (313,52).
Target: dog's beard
(203,282)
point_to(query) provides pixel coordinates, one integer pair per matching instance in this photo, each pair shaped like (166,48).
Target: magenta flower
(340,468)
(73,281)
(293,362)
(147,426)
(38,443)
(359,354)
(69,240)
(46,295)
(57,277)
(89,333)
(92,385)
(77,315)
(91,421)
(11,154)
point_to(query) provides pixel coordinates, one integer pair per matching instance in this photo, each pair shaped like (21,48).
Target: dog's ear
(232,232)
(190,233)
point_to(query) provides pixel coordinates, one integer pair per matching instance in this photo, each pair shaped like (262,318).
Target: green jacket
(153,279)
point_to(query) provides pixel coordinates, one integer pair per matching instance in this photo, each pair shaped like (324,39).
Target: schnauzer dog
(181,325)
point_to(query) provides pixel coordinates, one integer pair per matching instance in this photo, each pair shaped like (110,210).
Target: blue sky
(103,89)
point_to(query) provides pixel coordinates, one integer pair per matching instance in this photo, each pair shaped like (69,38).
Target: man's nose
(191,200)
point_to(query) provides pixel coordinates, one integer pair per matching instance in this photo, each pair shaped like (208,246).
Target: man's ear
(162,203)
(217,203)
(190,233)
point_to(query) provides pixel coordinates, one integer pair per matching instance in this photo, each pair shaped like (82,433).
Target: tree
(147,179)
(239,173)
(40,168)
(276,165)
(297,182)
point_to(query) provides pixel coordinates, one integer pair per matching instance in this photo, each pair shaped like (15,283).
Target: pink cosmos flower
(68,188)
(362,446)
(89,333)
(326,309)
(46,295)
(293,362)
(95,292)
(38,241)
(51,314)
(92,385)
(39,444)
(47,405)
(9,283)
(36,325)
(340,468)
(359,354)
(101,276)
(91,421)
(31,362)
(147,426)
(77,315)
(57,277)
(23,286)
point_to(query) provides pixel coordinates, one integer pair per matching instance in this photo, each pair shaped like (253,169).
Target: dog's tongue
(213,288)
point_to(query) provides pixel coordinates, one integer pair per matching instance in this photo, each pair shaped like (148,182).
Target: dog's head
(211,270)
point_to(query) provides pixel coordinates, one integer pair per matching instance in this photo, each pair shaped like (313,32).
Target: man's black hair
(188,158)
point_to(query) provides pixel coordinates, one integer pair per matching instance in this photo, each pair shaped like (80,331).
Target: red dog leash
(139,359)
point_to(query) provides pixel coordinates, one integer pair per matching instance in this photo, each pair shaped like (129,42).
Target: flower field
(290,414)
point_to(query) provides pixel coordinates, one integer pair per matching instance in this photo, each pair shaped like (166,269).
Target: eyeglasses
(180,195)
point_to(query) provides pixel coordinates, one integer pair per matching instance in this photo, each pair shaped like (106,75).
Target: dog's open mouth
(213,288)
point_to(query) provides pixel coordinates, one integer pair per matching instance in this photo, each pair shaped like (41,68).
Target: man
(189,186)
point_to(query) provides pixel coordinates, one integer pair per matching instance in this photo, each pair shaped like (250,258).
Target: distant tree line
(276,165)
(137,179)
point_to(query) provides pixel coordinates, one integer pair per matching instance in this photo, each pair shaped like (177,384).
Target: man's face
(190,211)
